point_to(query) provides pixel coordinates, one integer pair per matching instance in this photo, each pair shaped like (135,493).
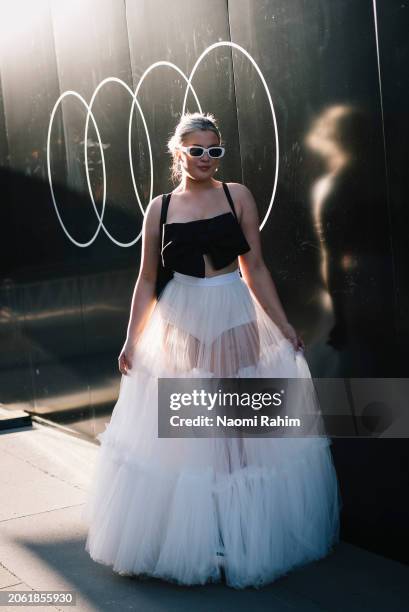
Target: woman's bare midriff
(210,271)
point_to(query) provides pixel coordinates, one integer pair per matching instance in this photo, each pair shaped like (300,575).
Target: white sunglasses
(196,151)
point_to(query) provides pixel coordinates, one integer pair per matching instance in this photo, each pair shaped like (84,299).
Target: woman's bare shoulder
(239,189)
(152,212)
(241,194)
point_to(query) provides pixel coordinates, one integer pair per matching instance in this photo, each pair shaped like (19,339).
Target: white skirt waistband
(219,279)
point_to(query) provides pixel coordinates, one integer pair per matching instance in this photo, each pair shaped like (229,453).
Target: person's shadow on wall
(350,217)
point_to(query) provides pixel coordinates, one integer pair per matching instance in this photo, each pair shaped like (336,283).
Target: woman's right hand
(125,358)
(289,332)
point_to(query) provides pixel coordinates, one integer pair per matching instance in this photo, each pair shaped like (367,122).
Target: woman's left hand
(289,332)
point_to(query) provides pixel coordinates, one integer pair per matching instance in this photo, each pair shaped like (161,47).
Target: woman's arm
(144,295)
(254,269)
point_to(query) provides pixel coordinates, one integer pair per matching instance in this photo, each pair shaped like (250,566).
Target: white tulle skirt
(197,510)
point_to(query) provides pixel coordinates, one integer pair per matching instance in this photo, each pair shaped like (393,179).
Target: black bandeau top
(184,244)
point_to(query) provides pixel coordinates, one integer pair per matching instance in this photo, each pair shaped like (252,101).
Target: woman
(191,510)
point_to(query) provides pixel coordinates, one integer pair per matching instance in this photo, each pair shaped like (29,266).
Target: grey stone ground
(44,474)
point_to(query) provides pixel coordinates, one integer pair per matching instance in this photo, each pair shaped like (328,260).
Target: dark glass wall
(311,98)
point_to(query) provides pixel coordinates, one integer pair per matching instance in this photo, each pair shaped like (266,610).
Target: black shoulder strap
(164,209)
(163,216)
(227,192)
